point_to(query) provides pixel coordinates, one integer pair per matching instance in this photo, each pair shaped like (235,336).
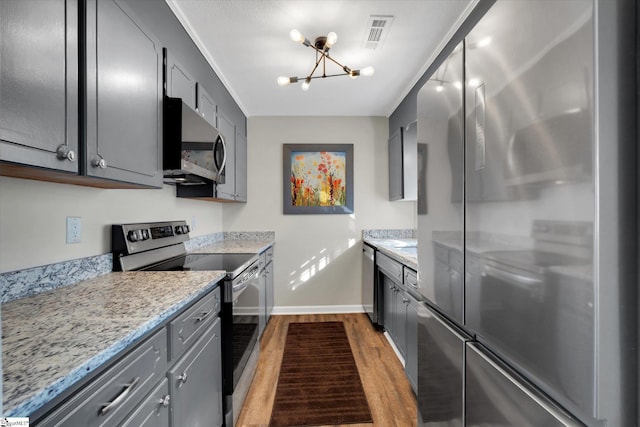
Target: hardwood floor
(389,394)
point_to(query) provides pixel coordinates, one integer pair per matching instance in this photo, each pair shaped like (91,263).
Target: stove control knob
(145,234)
(186,229)
(180,229)
(132,236)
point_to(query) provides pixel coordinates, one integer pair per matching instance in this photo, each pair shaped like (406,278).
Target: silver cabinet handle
(63,153)
(121,397)
(183,378)
(99,162)
(165,401)
(203,316)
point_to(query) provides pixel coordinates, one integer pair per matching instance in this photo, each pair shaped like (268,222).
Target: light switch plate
(74,229)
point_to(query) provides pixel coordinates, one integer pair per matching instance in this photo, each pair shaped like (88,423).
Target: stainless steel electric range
(159,246)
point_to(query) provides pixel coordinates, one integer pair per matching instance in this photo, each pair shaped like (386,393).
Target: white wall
(33,218)
(318,257)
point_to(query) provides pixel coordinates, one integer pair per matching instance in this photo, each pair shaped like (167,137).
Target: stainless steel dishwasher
(370,294)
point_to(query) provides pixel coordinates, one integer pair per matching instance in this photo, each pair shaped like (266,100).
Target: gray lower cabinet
(39,83)
(270,289)
(151,387)
(115,393)
(123,96)
(195,383)
(153,411)
(412,306)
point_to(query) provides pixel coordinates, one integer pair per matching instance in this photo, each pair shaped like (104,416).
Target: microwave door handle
(220,167)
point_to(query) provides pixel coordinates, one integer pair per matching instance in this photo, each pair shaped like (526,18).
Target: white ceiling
(247,44)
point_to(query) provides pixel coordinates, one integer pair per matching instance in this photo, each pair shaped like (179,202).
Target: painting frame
(314,151)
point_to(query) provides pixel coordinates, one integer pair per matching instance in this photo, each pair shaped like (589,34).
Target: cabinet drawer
(391,268)
(120,388)
(442,254)
(187,327)
(153,411)
(410,278)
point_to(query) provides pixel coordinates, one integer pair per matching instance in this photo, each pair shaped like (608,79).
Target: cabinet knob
(165,401)
(63,153)
(99,162)
(183,378)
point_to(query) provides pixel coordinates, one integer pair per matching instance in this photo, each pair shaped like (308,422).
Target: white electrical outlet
(74,229)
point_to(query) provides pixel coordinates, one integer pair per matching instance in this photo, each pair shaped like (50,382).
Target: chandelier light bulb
(306,84)
(367,71)
(283,81)
(296,36)
(332,38)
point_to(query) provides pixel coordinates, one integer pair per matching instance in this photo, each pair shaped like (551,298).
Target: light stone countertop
(235,246)
(52,340)
(396,248)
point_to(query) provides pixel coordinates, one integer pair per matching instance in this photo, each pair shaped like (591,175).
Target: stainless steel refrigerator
(527,249)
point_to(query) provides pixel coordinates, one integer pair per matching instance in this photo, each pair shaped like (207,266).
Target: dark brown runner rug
(318,382)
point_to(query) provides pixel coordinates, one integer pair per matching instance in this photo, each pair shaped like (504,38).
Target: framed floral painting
(317,178)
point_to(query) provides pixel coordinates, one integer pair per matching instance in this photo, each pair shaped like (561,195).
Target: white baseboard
(318,309)
(393,346)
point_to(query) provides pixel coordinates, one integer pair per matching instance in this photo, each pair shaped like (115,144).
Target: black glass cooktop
(233,264)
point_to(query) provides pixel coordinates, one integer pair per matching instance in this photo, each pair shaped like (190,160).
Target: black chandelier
(321,45)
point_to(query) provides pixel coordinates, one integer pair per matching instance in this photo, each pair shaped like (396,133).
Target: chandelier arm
(315,67)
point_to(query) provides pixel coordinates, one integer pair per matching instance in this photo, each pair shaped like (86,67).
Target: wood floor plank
(389,394)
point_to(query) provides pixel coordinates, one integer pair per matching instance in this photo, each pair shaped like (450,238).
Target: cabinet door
(39,83)
(195,383)
(270,290)
(124,93)
(388,303)
(227,190)
(153,411)
(180,84)
(396,183)
(241,167)
(206,106)
(411,354)
(400,322)
(262,302)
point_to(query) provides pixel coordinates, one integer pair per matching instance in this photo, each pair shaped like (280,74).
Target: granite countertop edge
(389,247)
(45,395)
(229,246)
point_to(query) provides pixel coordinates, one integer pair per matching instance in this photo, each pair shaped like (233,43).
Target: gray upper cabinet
(39,83)
(241,167)
(180,84)
(206,105)
(403,164)
(124,94)
(227,190)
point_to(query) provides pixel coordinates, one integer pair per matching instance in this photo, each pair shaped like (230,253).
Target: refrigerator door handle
(480,127)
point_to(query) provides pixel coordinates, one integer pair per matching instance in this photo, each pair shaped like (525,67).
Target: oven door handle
(517,279)
(243,284)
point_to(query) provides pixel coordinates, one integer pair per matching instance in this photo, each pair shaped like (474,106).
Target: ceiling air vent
(376,32)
